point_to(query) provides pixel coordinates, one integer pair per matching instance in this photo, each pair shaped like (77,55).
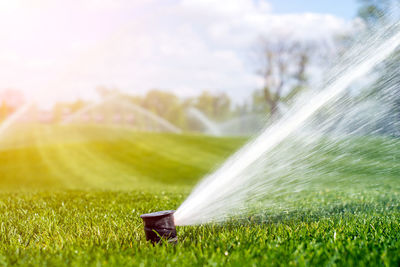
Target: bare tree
(284,65)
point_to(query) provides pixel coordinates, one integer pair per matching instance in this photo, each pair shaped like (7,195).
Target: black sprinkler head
(159,225)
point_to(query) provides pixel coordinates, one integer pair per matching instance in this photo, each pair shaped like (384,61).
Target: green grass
(86,158)
(77,202)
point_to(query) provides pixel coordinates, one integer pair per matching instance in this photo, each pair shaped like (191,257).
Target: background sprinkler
(159,225)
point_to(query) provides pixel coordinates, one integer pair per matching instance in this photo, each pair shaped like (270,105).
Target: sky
(346,9)
(62,50)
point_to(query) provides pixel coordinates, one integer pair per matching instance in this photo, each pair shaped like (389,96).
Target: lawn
(73,196)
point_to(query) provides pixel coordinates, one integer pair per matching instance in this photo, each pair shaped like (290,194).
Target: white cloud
(223,9)
(67,48)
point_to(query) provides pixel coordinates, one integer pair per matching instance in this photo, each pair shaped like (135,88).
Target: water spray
(159,225)
(244,177)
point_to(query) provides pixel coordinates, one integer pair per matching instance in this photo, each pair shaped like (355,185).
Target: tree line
(282,63)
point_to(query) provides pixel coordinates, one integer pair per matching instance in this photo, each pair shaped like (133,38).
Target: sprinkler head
(159,225)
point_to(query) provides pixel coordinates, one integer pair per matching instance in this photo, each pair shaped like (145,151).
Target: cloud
(64,49)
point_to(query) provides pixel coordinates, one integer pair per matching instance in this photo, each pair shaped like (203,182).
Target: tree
(387,87)
(284,65)
(77,105)
(106,92)
(258,103)
(166,105)
(58,112)
(215,106)
(3,111)
(374,11)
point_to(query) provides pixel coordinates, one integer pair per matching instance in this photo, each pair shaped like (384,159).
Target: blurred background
(85,84)
(218,67)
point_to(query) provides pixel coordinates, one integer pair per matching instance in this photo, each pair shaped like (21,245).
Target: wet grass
(101,158)
(104,228)
(78,202)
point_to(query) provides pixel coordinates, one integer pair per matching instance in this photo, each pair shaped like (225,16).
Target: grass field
(73,196)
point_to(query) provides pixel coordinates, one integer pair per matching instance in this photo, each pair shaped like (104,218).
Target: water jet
(159,225)
(269,165)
